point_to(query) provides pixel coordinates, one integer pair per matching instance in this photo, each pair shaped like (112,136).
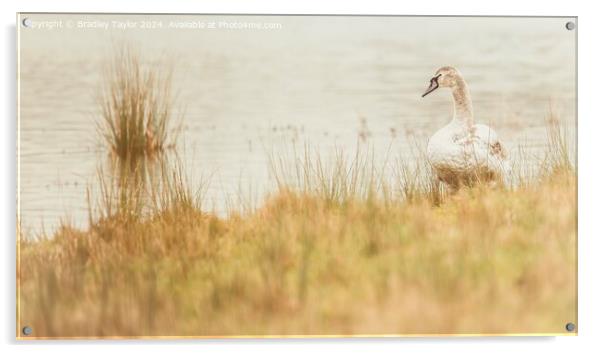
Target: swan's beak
(433,86)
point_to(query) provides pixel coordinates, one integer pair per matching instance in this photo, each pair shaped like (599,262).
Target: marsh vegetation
(137,106)
(337,248)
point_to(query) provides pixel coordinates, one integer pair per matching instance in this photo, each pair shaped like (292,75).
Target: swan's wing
(498,150)
(490,138)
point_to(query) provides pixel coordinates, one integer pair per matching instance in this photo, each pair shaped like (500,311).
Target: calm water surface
(328,82)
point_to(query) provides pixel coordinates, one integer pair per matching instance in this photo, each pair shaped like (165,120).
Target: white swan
(462,152)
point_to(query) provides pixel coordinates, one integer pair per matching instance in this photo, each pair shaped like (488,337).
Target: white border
(590,121)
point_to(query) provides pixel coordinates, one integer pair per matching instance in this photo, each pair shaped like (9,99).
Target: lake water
(283,80)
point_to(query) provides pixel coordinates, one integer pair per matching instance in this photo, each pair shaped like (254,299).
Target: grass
(136,107)
(337,249)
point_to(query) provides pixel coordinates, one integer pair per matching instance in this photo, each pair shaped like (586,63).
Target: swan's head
(446,76)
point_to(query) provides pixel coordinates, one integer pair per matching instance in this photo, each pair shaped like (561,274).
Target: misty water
(245,92)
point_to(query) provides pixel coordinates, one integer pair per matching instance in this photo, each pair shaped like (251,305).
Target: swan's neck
(462,104)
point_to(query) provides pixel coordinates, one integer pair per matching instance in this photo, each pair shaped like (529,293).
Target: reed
(129,193)
(137,106)
(558,156)
(337,179)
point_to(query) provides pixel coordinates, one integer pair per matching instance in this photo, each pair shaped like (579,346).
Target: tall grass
(127,193)
(557,156)
(337,249)
(137,106)
(558,152)
(336,179)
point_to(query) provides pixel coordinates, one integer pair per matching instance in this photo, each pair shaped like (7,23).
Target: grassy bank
(483,261)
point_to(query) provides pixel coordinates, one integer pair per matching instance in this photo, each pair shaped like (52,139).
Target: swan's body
(462,152)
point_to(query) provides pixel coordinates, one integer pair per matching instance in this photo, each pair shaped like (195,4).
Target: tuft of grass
(557,153)
(556,157)
(128,193)
(136,106)
(338,179)
(337,249)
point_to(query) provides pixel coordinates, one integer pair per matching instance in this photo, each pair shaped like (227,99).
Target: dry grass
(336,250)
(136,107)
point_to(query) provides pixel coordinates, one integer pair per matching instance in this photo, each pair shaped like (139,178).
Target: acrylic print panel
(272,175)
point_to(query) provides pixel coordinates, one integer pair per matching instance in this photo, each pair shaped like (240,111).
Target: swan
(462,152)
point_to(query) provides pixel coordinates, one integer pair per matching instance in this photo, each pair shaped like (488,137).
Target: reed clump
(337,249)
(137,106)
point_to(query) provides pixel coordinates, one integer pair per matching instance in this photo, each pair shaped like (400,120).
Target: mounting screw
(570,25)
(26,22)
(570,327)
(27,330)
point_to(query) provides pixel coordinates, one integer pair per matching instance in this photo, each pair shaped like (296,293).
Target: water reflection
(131,188)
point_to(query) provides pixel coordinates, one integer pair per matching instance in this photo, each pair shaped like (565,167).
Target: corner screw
(570,26)
(570,327)
(27,330)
